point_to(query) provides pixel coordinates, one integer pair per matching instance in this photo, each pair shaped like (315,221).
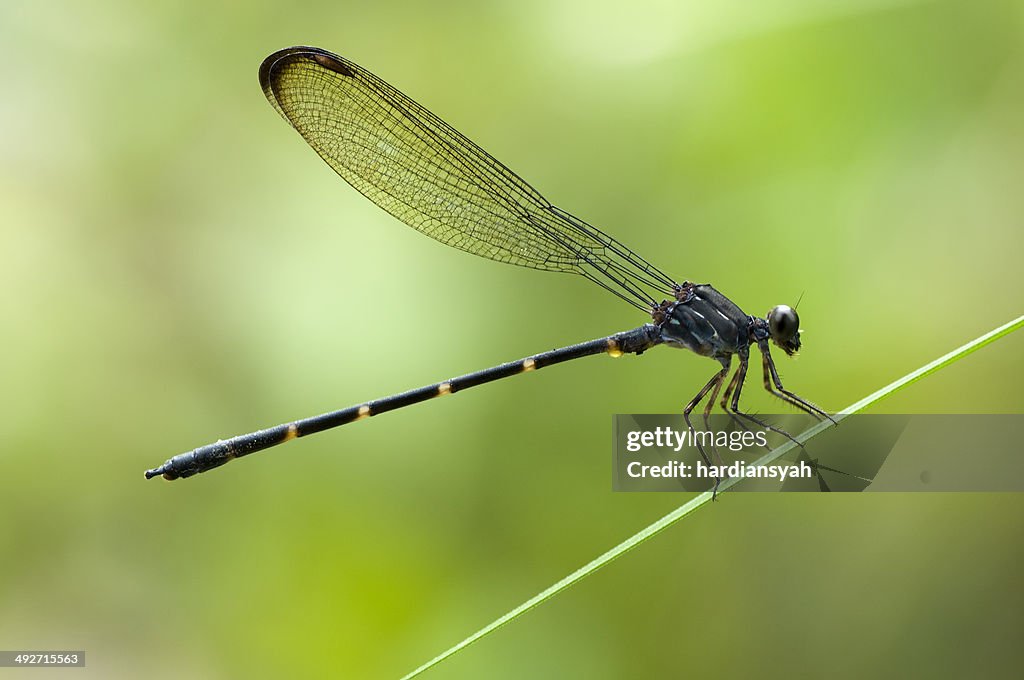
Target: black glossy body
(704,321)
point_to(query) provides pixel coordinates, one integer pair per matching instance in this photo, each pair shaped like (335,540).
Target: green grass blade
(704,498)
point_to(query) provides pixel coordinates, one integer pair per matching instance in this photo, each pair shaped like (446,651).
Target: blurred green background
(178,266)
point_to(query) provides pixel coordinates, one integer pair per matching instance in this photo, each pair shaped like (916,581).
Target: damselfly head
(784,328)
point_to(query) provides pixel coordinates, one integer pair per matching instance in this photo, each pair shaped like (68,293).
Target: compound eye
(783,323)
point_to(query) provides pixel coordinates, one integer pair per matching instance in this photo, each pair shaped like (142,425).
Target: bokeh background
(177,266)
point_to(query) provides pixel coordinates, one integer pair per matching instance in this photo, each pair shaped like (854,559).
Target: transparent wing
(424,172)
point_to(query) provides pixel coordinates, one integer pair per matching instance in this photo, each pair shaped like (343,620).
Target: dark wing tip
(322,57)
